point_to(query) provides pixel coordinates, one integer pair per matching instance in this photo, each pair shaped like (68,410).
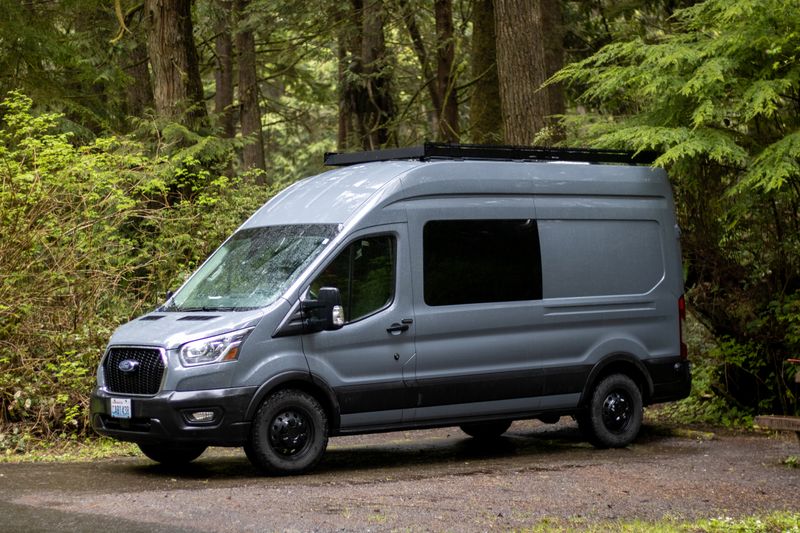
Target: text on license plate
(120,407)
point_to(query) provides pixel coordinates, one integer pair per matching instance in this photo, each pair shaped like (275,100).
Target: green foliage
(90,236)
(717,92)
(709,402)
(788,522)
(58,52)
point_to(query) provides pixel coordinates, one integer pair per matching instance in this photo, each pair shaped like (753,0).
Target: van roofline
(430,151)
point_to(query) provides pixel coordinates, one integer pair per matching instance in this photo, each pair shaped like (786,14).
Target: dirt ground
(434,480)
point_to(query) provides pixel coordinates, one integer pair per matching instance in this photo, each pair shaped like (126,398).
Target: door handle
(398,327)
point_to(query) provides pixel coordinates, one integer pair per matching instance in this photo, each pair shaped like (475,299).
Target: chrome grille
(145,378)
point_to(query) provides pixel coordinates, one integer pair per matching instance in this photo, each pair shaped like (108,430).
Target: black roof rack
(429,151)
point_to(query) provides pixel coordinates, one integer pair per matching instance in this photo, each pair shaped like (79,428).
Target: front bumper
(162,418)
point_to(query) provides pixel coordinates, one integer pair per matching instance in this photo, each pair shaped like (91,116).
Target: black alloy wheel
(613,416)
(617,411)
(289,433)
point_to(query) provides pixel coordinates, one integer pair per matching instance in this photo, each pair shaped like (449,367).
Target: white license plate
(120,408)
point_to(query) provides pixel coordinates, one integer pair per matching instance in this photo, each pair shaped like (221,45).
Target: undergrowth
(708,403)
(780,521)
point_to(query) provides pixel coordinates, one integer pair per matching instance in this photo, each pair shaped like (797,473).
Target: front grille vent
(145,370)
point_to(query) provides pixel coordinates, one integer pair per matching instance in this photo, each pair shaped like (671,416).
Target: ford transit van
(439,285)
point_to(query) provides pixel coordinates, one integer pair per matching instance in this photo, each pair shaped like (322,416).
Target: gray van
(437,285)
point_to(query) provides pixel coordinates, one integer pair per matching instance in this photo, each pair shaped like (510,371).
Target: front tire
(614,414)
(486,430)
(289,434)
(172,455)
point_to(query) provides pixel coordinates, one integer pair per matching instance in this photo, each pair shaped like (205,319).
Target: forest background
(135,135)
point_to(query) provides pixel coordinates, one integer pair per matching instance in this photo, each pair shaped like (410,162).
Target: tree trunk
(136,65)
(553,44)
(528,52)
(445,77)
(177,88)
(343,15)
(422,56)
(139,91)
(253,153)
(223,75)
(378,111)
(485,115)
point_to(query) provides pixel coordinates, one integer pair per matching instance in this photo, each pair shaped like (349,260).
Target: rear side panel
(612,277)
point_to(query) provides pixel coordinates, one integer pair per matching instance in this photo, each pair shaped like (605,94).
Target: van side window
(477,261)
(364,274)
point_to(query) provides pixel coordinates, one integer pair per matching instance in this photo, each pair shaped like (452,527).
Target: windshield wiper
(208,309)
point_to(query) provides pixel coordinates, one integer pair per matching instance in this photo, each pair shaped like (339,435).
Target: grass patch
(67,450)
(780,521)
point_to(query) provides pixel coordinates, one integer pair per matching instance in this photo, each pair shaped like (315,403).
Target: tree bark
(422,56)
(376,115)
(529,50)
(366,107)
(250,112)
(553,44)
(343,15)
(223,75)
(445,77)
(177,88)
(139,92)
(485,114)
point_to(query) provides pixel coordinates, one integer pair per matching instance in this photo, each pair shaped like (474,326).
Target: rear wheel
(172,455)
(486,430)
(289,434)
(614,414)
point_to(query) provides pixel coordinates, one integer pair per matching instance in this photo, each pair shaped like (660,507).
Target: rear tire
(614,414)
(170,455)
(486,430)
(289,434)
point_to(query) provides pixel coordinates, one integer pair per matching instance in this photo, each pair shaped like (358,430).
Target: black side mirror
(324,313)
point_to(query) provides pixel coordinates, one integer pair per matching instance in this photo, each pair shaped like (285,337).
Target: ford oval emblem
(128,365)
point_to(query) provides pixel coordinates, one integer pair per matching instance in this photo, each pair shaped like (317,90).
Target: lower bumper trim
(160,418)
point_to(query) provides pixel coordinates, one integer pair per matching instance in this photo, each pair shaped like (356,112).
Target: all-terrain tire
(289,433)
(613,416)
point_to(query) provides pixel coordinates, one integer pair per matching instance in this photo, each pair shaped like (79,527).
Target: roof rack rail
(429,151)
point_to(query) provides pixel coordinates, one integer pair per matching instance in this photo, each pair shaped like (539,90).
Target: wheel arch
(619,363)
(305,382)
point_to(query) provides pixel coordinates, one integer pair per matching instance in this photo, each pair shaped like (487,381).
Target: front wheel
(289,433)
(486,430)
(172,455)
(614,414)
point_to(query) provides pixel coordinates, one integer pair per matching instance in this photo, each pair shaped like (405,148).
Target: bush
(91,236)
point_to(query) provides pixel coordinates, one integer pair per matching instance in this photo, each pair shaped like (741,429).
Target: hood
(171,329)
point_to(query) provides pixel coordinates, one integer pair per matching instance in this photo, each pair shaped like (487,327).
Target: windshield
(252,268)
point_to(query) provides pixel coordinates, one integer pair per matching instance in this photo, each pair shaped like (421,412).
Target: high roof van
(440,285)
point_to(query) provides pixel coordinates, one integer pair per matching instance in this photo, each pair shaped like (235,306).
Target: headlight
(223,347)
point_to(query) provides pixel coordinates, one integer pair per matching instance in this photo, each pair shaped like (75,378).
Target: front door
(370,360)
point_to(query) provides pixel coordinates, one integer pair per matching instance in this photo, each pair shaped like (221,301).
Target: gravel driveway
(434,480)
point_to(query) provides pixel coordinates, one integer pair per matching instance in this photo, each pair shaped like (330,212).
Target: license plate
(120,407)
